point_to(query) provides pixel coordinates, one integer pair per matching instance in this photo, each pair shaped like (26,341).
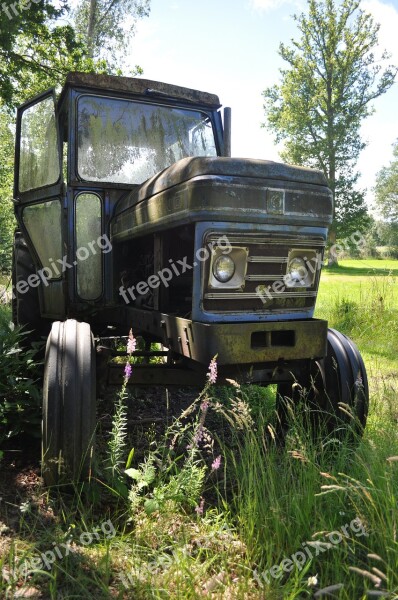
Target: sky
(230,48)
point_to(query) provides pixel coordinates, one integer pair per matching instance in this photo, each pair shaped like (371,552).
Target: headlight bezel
(307,260)
(239,255)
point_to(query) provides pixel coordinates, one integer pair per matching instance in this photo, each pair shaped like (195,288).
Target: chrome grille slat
(270,241)
(263,277)
(267,259)
(250,295)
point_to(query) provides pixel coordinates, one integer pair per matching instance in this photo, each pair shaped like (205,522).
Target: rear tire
(336,393)
(344,395)
(26,306)
(69,403)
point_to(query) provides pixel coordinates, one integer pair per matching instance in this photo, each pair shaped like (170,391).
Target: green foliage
(46,60)
(381,240)
(117,443)
(15,24)
(20,398)
(173,472)
(107,26)
(386,233)
(36,51)
(326,91)
(386,192)
(7,220)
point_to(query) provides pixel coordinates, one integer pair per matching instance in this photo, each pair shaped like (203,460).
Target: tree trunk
(332,258)
(91,28)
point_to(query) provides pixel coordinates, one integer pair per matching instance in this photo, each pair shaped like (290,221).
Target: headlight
(297,270)
(223,268)
(302,266)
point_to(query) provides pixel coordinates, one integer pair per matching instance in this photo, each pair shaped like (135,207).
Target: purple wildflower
(197,438)
(204,406)
(212,374)
(131,343)
(216,463)
(127,371)
(199,508)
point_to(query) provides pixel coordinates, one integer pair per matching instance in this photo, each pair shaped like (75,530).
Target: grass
(360,298)
(270,523)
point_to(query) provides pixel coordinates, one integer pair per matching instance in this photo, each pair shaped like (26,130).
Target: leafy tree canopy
(35,47)
(7,221)
(107,26)
(386,188)
(325,92)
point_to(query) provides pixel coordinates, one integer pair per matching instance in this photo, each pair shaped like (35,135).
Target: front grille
(264,288)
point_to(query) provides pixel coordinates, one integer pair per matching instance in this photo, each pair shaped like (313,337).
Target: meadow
(211,506)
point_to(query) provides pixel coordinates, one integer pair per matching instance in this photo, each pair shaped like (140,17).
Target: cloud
(265,5)
(387,16)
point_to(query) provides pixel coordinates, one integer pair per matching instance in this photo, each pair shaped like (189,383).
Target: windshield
(122,141)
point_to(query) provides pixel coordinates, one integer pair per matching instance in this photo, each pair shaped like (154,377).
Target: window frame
(213,115)
(46,191)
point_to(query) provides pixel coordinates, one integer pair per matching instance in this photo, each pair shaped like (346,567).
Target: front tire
(69,403)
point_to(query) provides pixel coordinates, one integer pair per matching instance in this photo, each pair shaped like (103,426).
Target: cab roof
(141,87)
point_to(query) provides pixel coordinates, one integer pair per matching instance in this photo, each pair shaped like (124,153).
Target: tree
(28,19)
(386,189)
(325,93)
(36,51)
(107,26)
(7,221)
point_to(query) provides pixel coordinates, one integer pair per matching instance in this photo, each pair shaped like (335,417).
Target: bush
(387,251)
(20,398)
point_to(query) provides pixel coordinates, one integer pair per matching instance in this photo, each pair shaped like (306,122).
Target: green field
(311,519)
(360,297)
(356,279)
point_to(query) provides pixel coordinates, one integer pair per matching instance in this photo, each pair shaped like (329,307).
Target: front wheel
(69,403)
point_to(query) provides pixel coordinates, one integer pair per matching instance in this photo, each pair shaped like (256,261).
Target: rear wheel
(344,395)
(26,306)
(336,393)
(69,403)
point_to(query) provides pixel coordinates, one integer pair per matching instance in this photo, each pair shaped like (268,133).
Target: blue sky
(229,47)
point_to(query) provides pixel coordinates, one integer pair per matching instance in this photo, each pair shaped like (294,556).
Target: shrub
(19,393)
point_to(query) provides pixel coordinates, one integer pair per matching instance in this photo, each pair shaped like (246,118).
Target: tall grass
(368,314)
(307,519)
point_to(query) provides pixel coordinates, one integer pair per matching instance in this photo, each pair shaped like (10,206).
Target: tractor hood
(224,189)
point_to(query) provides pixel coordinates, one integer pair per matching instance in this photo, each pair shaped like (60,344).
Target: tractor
(132,214)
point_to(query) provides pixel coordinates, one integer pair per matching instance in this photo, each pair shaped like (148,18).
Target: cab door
(38,196)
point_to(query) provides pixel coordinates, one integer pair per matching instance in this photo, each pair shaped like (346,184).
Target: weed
(19,393)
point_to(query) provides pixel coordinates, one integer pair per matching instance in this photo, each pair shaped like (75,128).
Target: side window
(88,209)
(43,222)
(39,161)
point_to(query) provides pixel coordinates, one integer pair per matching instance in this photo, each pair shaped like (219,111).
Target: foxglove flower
(204,406)
(212,374)
(216,463)
(127,371)
(131,343)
